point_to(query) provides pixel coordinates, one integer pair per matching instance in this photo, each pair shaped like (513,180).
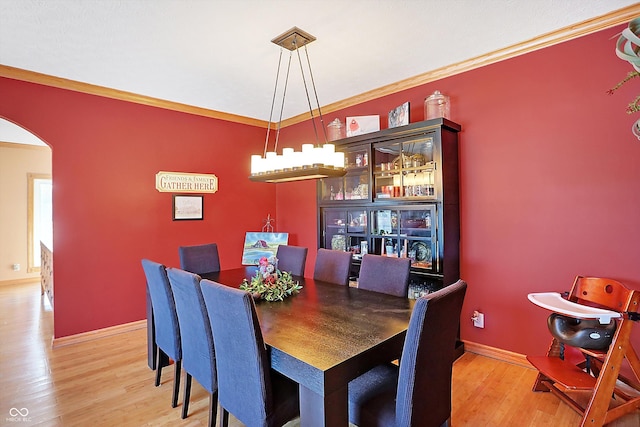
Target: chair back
(389,275)
(198,357)
(165,318)
(424,382)
(332,266)
(292,259)
(199,259)
(244,382)
(604,293)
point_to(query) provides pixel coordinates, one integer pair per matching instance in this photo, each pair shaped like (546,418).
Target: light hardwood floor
(106,382)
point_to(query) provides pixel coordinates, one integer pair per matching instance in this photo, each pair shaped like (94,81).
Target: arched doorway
(25,163)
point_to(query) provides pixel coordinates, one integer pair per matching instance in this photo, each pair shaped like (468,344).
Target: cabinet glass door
(345,230)
(406,232)
(405,170)
(357,230)
(335,228)
(355,184)
(418,237)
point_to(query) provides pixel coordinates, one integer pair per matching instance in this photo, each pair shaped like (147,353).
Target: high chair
(593,303)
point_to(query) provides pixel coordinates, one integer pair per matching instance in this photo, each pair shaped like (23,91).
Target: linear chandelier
(312,162)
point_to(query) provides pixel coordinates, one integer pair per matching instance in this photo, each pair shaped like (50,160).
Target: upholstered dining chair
(198,357)
(389,275)
(247,387)
(292,259)
(200,259)
(165,319)
(418,392)
(332,266)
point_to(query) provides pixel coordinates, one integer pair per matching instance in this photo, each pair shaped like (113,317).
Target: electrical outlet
(16,267)
(478,319)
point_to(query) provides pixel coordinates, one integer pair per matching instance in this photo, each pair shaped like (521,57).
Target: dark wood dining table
(326,335)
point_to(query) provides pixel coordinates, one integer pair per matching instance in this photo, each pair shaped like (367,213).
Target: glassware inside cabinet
(354,185)
(418,168)
(387,172)
(335,229)
(405,170)
(417,236)
(331,189)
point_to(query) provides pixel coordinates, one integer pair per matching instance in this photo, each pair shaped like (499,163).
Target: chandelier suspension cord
(273,101)
(313,84)
(304,80)
(284,95)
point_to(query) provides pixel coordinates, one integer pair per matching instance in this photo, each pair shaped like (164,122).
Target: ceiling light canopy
(312,162)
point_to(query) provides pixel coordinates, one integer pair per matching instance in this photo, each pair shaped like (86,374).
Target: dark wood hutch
(399,197)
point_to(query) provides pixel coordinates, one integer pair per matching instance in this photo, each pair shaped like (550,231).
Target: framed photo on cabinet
(399,116)
(187,207)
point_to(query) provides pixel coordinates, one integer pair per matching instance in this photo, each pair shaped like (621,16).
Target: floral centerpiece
(269,283)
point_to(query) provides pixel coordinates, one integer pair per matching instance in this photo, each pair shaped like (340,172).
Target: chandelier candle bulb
(287,158)
(328,152)
(255,164)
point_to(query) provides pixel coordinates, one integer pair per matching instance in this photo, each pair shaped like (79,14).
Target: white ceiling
(217,54)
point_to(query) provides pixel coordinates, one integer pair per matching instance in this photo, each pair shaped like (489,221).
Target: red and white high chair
(583,321)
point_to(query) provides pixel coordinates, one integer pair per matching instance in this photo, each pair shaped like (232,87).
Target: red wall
(107,213)
(549,175)
(549,187)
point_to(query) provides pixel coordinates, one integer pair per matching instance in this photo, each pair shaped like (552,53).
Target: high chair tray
(553,301)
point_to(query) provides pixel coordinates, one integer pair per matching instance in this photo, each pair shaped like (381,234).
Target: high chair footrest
(562,372)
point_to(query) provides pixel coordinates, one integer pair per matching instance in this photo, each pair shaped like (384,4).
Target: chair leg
(213,408)
(158,369)
(187,394)
(224,417)
(176,383)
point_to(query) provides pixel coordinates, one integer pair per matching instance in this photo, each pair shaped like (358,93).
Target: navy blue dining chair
(199,259)
(389,275)
(292,259)
(248,388)
(198,357)
(165,320)
(418,392)
(332,266)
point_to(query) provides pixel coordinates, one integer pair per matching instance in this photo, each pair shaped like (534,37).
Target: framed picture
(261,244)
(187,207)
(399,116)
(359,125)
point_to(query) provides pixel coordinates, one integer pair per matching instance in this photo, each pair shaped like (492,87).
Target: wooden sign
(179,182)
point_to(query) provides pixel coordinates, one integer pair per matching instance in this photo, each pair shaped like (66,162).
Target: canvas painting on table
(258,244)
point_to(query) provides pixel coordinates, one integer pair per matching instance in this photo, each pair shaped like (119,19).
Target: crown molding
(555,37)
(91,89)
(590,26)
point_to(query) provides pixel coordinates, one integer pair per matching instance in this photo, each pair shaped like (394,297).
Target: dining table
(324,336)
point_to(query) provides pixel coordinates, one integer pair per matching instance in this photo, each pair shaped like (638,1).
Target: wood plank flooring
(106,382)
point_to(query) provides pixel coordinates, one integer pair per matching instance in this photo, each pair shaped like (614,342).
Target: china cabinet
(399,197)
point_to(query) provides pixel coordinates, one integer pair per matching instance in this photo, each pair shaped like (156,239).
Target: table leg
(324,411)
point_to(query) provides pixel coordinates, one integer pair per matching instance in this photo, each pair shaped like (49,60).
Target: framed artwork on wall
(187,207)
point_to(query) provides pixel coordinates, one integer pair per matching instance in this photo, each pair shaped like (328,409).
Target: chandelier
(313,161)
